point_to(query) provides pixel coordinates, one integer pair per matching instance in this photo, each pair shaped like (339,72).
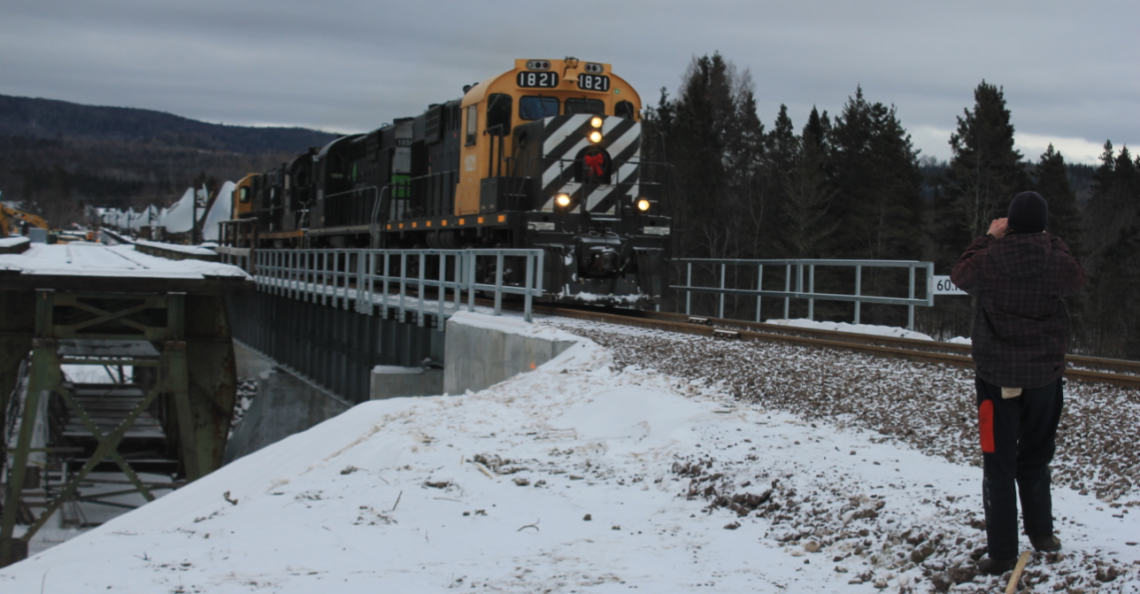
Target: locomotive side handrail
(795,268)
(361,280)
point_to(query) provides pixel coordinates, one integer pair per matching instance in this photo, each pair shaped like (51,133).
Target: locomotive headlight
(595,137)
(643,205)
(596,122)
(562,200)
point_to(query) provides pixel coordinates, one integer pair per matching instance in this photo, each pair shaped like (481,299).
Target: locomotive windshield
(591,106)
(537,108)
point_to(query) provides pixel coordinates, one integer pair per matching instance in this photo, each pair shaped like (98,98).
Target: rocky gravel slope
(926,407)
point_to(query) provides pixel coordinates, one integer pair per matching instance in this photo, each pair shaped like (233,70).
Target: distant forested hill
(57,157)
(48,118)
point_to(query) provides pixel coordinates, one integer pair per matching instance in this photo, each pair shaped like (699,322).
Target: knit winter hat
(1028,212)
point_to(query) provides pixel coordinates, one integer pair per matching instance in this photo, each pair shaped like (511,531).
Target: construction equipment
(13,219)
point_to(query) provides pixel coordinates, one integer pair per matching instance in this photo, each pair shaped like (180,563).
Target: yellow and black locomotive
(544,156)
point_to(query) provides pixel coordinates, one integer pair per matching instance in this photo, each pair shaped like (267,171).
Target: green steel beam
(16,477)
(100,437)
(45,379)
(176,380)
(17,318)
(130,306)
(196,370)
(103,315)
(101,452)
(212,377)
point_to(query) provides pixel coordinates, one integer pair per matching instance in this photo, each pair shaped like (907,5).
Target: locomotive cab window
(301,179)
(593,106)
(624,109)
(472,124)
(536,108)
(499,114)
(336,167)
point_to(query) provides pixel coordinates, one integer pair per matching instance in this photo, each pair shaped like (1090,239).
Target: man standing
(1018,273)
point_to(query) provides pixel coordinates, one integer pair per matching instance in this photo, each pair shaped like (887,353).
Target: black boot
(990,566)
(1045,543)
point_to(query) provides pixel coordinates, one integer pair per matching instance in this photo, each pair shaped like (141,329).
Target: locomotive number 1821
(537,80)
(593,82)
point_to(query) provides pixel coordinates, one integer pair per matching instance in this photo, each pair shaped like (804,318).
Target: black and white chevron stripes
(565,136)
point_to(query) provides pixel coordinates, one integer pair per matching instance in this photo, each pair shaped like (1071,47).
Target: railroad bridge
(347,324)
(341,327)
(92,305)
(325,318)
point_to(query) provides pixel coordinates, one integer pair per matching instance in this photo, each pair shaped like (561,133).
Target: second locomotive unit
(544,156)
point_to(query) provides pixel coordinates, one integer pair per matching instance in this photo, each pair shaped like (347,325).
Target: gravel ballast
(920,406)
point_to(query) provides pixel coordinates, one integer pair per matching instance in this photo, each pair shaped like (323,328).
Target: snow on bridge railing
(363,279)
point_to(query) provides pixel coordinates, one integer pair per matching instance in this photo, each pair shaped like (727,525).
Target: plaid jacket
(1021,328)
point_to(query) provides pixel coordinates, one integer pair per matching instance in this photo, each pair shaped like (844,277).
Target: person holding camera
(1019,274)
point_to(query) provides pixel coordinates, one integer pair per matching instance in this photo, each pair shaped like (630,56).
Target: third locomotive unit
(544,156)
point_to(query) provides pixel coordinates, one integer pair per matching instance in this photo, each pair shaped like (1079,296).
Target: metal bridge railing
(363,279)
(795,269)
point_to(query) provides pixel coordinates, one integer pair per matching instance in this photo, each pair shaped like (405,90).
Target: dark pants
(1018,442)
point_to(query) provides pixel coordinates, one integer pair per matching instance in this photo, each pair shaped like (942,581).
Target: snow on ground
(196,250)
(890,331)
(90,374)
(591,474)
(7,242)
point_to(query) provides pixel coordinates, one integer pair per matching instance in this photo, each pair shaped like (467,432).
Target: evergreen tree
(1053,184)
(783,151)
(1114,288)
(877,175)
(985,172)
(714,140)
(808,200)
(696,148)
(1113,202)
(747,157)
(818,127)
(1112,243)
(878,207)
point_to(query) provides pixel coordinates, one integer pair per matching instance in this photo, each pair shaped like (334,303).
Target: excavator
(13,219)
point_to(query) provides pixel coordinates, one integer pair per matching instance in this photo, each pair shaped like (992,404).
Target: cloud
(1075,150)
(934,142)
(351,65)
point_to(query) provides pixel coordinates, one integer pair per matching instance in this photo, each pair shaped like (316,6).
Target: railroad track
(1087,369)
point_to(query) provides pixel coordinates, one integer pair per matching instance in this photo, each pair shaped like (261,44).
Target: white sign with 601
(941,285)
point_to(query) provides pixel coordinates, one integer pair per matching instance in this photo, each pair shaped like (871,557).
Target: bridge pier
(182,408)
(484,350)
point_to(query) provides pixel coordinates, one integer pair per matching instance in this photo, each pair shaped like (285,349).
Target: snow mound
(573,477)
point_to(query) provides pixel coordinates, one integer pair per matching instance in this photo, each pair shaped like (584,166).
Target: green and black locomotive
(543,156)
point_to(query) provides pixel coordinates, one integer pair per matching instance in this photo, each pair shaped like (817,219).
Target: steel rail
(898,348)
(1103,363)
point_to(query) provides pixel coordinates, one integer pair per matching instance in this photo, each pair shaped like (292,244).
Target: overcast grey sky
(1068,69)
